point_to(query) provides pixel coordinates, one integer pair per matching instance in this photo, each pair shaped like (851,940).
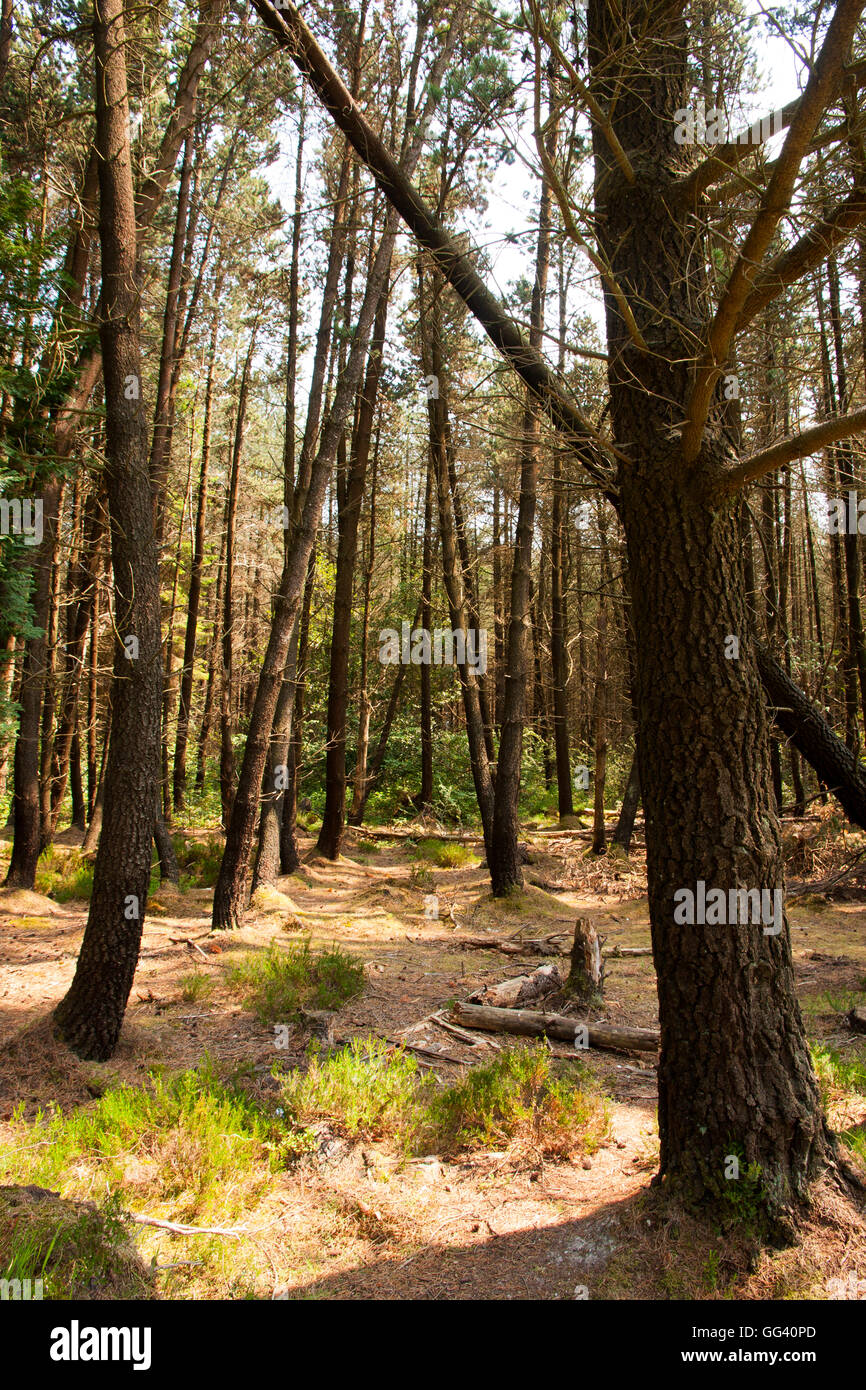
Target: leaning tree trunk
(810,733)
(91,1014)
(231,891)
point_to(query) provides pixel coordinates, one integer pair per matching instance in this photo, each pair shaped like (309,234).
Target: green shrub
(368,1088)
(195,986)
(443,853)
(63,875)
(517,1097)
(283,979)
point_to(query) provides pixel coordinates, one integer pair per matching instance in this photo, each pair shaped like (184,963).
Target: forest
(432,652)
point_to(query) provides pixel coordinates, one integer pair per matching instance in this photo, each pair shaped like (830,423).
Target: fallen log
(613,951)
(523,989)
(533,946)
(531,1023)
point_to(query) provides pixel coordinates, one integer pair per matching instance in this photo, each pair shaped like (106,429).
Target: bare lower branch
(823,82)
(796,446)
(810,251)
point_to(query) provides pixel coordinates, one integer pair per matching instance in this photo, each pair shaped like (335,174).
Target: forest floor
(360,1213)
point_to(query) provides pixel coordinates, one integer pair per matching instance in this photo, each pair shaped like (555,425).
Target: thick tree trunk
(91,1014)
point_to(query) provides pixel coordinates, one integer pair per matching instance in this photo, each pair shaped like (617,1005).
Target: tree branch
(689,189)
(796,446)
(810,251)
(823,82)
(183,109)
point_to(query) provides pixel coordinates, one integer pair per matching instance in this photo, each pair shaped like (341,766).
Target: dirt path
(359,1221)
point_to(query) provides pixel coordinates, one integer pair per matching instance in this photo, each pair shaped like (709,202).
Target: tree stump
(586,974)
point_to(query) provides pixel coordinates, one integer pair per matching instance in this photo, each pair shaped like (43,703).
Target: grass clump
(369,1089)
(76,1250)
(517,1097)
(63,875)
(444,854)
(195,986)
(282,980)
(189,1140)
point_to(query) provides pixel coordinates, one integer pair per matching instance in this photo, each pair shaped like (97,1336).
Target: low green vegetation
(444,854)
(64,875)
(373,1089)
(369,1089)
(198,860)
(76,1250)
(517,1097)
(192,1139)
(278,982)
(842,1079)
(195,986)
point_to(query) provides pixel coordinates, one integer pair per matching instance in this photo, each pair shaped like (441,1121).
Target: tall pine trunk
(91,1014)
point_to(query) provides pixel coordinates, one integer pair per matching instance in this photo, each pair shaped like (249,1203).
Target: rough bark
(91,1014)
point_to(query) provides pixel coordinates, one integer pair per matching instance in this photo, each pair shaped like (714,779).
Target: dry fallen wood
(529,946)
(586,973)
(427,1052)
(531,1023)
(444,1023)
(458,837)
(523,989)
(180,1230)
(614,951)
